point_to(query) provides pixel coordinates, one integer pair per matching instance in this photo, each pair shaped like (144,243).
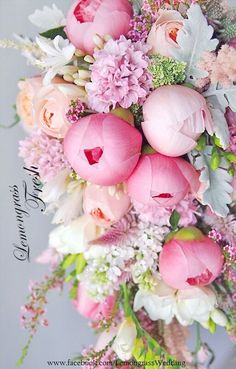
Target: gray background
(67,332)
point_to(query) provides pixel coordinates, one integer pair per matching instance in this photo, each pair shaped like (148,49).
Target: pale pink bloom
(187,208)
(103,149)
(51,105)
(190,259)
(86,18)
(174,118)
(92,309)
(49,256)
(107,205)
(120,75)
(162,181)
(45,153)
(105,338)
(24,101)
(163,34)
(220,67)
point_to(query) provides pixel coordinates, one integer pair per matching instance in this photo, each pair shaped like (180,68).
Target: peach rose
(24,101)
(51,104)
(164,32)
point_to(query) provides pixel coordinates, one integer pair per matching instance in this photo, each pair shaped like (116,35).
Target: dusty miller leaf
(216,185)
(225,96)
(220,124)
(194,38)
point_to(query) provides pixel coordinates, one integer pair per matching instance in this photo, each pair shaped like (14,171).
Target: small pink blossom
(44,153)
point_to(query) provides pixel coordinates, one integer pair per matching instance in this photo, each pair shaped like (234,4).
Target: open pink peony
(86,18)
(162,180)
(103,149)
(190,259)
(174,118)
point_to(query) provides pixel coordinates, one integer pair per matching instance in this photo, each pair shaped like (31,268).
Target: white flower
(58,53)
(48,18)
(192,304)
(124,341)
(55,187)
(195,303)
(73,238)
(219,317)
(159,304)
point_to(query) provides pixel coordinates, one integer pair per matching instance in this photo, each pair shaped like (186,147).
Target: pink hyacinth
(119,75)
(187,209)
(45,153)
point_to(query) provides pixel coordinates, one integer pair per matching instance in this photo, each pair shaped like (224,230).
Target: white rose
(124,341)
(159,304)
(195,303)
(74,237)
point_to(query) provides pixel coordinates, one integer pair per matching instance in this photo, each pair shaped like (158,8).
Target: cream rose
(164,32)
(51,105)
(24,102)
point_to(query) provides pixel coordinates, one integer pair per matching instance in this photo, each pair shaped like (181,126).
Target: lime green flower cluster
(166,71)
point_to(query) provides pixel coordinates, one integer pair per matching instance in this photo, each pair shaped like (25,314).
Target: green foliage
(166,71)
(146,348)
(15,122)
(52,33)
(174,220)
(201,143)
(228,29)
(215,159)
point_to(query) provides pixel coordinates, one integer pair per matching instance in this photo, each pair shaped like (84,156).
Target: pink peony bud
(107,205)
(92,309)
(103,149)
(161,180)
(174,118)
(190,259)
(87,18)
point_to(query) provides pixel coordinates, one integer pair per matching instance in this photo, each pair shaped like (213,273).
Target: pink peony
(161,180)
(86,18)
(163,34)
(174,118)
(107,205)
(119,75)
(92,309)
(190,259)
(103,149)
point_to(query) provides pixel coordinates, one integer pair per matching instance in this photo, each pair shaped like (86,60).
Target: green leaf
(80,264)
(212,326)
(71,276)
(16,120)
(201,143)
(69,260)
(215,159)
(230,156)
(73,291)
(52,33)
(174,220)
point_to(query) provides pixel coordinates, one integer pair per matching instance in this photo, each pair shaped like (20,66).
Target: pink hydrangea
(187,208)
(119,75)
(45,153)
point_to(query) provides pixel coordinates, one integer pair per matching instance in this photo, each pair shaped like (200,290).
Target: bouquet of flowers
(131,128)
